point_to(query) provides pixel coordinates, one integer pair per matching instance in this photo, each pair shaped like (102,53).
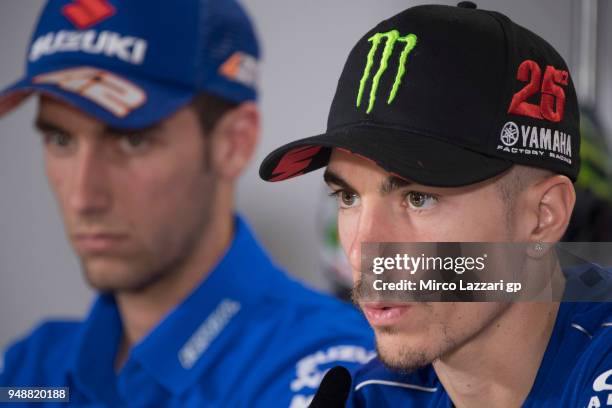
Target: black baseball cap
(446,96)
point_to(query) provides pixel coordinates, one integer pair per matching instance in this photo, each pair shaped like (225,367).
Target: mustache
(357,293)
(361,292)
(96,225)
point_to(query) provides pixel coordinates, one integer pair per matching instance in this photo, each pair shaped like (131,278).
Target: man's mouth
(98,242)
(384,314)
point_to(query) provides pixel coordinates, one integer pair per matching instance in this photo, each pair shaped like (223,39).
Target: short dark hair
(210,108)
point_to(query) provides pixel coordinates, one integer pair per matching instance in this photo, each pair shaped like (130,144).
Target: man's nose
(374,224)
(89,189)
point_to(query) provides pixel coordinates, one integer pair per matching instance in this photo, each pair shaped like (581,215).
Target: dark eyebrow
(332,178)
(391,184)
(121,131)
(44,126)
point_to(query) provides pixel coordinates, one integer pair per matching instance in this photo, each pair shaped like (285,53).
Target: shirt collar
(192,335)
(92,364)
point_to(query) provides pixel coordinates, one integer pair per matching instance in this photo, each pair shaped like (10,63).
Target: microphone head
(334,389)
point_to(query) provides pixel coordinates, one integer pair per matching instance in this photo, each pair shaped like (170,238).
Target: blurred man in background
(146,129)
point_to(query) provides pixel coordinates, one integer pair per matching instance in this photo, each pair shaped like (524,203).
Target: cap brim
(412,156)
(160,100)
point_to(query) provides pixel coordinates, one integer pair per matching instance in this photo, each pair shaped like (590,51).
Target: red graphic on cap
(293,162)
(86,13)
(552,101)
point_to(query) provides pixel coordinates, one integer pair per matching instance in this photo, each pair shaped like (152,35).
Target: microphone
(334,389)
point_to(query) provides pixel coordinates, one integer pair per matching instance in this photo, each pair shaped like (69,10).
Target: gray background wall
(305,44)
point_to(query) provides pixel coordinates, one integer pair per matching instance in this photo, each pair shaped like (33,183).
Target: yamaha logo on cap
(509,134)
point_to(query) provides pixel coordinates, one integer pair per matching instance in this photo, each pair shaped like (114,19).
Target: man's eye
(57,139)
(345,199)
(420,201)
(133,142)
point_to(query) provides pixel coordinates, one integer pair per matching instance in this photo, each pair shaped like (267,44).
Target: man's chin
(401,354)
(111,275)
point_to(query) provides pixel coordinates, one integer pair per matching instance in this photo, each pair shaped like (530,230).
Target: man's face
(134,204)
(374,206)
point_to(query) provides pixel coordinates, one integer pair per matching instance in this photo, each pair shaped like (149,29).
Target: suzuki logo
(86,13)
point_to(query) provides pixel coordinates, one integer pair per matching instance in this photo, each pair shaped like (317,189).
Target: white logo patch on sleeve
(599,385)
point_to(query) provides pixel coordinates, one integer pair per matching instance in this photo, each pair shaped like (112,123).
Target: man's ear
(234,139)
(552,202)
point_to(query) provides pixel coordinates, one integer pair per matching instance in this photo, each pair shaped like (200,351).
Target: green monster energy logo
(392,37)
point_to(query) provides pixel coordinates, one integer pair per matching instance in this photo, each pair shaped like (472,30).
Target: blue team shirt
(248,336)
(576,371)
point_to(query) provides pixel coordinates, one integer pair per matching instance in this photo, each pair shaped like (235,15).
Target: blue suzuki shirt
(248,336)
(576,370)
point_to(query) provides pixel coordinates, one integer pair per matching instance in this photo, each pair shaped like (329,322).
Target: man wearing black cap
(454,124)
(146,129)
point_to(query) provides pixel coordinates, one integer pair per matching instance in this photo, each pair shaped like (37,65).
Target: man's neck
(498,367)
(142,311)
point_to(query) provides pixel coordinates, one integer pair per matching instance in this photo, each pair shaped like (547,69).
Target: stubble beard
(405,358)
